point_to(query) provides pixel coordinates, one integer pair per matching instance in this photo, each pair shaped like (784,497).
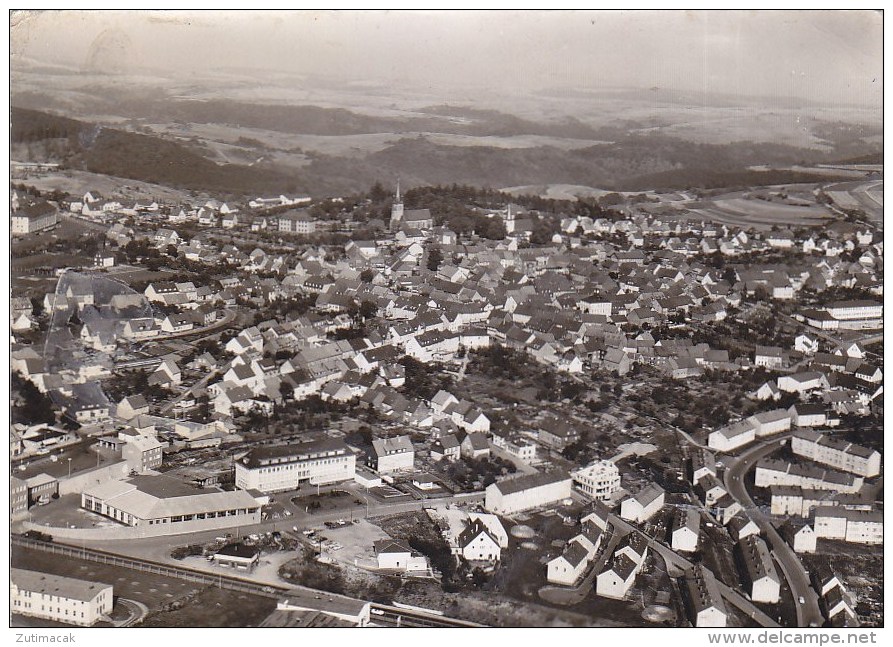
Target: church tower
(397,209)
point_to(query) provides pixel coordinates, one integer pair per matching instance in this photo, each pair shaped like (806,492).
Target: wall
(79,482)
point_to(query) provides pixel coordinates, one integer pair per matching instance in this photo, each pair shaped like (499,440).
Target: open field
(79,182)
(761,214)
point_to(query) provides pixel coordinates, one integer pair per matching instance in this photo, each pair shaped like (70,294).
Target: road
(672,557)
(808,614)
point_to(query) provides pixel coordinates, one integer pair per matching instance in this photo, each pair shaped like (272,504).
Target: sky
(822,55)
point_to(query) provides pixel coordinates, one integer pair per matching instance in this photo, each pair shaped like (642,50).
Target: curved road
(808,614)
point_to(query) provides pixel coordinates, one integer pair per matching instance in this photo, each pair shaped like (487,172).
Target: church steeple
(397,209)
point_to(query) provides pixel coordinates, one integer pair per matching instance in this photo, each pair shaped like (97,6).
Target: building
(804,414)
(287,467)
(617,578)
(527,492)
(142,453)
(769,356)
(702,598)
(768,423)
(761,576)
(855,310)
(774,472)
(477,543)
(569,566)
(475,445)
(296,223)
(839,454)
(392,455)
(18,498)
(686,530)
(41,488)
(238,556)
(856,526)
(396,555)
(348,610)
(731,437)
(162,500)
(644,505)
(599,481)
(32,217)
(60,599)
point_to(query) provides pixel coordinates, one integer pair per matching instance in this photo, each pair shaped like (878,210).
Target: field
(201,606)
(79,182)
(761,214)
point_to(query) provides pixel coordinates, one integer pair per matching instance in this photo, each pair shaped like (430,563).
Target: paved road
(808,614)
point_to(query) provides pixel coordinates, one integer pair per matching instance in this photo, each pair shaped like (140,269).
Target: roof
(529,482)
(703,591)
(649,494)
(623,566)
(261,456)
(385,446)
(66,587)
(238,550)
(757,560)
(391,546)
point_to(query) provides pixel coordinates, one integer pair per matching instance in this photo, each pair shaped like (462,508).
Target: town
(447,406)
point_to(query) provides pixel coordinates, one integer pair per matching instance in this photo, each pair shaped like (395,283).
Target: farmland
(760,214)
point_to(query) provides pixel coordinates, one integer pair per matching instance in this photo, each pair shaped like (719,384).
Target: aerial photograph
(432,319)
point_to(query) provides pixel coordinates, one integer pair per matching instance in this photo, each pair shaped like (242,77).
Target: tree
(367,275)
(368,310)
(435,258)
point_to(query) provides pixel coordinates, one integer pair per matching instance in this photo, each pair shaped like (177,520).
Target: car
(801,600)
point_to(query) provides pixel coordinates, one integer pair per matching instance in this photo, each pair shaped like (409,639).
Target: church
(401,219)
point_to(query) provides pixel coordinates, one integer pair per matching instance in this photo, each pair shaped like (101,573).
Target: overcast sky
(826,56)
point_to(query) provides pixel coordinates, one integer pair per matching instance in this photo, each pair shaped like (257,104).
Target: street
(808,614)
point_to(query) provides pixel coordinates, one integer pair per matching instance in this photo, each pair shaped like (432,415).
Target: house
(761,577)
(396,555)
(131,407)
(569,566)
(769,357)
(702,598)
(703,462)
(808,415)
(60,599)
(617,578)
(477,543)
(391,455)
(598,481)
(806,344)
(741,525)
(527,492)
(644,505)
(686,530)
(475,446)
(447,446)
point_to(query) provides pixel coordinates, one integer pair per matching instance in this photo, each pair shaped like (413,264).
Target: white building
(703,599)
(527,492)
(162,500)
(773,472)
(839,454)
(644,505)
(477,543)
(57,598)
(762,578)
(392,455)
(287,467)
(396,555)
(856,526)
(617,578)
(599,481)
(768,423)
(732,436)
(686,530)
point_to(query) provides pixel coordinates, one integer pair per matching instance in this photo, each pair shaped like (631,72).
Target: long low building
(774,472)
(799,502)
(839,454)
(62,599)
(161,500)
(527,492)
(287,467)
(702,598)
(856,526)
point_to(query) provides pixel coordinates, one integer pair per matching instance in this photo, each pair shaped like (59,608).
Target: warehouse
(527,492)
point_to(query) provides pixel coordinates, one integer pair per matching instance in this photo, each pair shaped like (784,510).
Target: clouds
(818,55)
